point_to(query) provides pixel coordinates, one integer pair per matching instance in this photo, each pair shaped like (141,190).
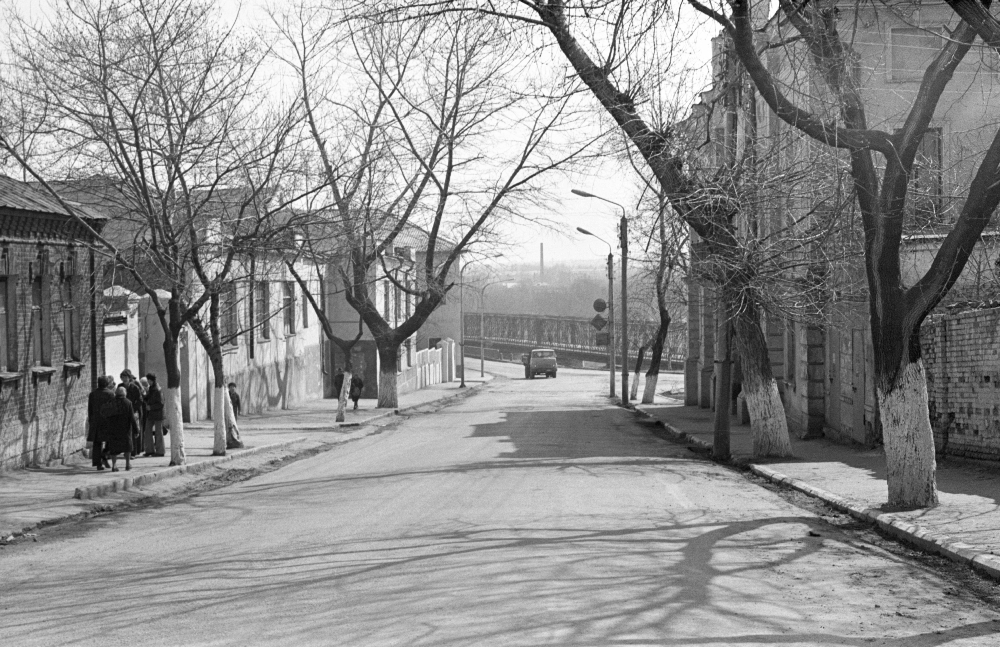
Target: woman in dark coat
(120,428)
(356,385)
(152,434)
(96,434)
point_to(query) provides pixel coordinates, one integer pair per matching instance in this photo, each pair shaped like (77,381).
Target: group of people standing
(127,419)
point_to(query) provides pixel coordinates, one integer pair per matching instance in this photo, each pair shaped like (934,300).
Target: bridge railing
(573,337)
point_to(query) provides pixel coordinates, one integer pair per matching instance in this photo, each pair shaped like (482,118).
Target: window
(229,322)
(41,312)
(262,308)
(924,192)
(386,295)
(8,317)
(288,307)
(70,317)
(6,362)
(397,303)
(305,310)
(911,50)
(790,342)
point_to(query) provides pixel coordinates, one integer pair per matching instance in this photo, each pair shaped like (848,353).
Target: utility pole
(611,321)
(624,246)
(724,328)
(461,309)
(623,241)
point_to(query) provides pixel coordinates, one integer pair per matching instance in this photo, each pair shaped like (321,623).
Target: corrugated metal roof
(24,197)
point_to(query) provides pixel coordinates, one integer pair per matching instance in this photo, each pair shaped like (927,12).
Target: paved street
(532,513)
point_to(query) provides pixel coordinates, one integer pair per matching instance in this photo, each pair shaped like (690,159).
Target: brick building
(48,326)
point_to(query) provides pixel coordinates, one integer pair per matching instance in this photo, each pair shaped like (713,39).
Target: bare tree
(663,268)
(841,120)
(416,148)
(620,59)
(153,96)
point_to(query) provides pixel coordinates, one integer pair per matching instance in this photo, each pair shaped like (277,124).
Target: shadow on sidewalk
(839,463)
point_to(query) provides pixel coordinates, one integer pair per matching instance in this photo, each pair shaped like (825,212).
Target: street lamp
(611,308)
(482,332)
(461,321)
(461,301)
(623,241)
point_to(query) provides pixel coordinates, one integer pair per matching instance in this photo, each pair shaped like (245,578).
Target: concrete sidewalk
(964,527)
(45,494)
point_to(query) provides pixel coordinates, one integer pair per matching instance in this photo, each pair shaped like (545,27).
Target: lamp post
(611,309)
(623,241)
(461,322)
(461,301)
(482,332)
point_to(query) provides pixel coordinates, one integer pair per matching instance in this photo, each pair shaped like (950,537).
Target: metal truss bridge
(506,337)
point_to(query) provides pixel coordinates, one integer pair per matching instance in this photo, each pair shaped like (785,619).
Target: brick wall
(43,416)
(963,381)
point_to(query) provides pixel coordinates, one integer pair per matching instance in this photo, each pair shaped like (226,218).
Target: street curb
(984,563)
(129,482)
(674,432)
(469,389)
(311,427)
(987,564)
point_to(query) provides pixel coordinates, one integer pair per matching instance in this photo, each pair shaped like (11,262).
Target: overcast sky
(562,244)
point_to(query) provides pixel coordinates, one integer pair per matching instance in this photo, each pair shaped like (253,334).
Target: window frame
(40,329)
(262,309)
(72,351)
(288,306)
(229,316)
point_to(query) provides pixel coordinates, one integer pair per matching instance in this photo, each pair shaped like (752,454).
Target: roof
(24,197)
(417,238)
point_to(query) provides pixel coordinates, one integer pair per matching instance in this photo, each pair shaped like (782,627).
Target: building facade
(50,332)
(824,363)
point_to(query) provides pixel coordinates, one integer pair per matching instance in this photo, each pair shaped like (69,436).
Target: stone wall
(963,381)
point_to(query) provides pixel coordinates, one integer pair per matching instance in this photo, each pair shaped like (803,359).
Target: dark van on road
(539,361)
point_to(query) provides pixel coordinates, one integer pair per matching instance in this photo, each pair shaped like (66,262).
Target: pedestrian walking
(233,440)
(135,397)
(121,428)
(234,397)
(152,434)
(356,385)
(96,426)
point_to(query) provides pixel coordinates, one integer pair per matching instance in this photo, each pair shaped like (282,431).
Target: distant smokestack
(541,260)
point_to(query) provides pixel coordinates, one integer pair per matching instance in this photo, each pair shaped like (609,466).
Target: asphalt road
(531,514)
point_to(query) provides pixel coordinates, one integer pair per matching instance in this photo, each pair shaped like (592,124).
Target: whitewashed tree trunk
(388,397)
(233,438)
(219,422)
(911,467)
(768,425)
(345,387)
(649,392)
(635,387)
(175,420)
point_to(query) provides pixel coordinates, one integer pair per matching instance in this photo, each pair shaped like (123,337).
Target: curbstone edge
(926,540)
(129,482)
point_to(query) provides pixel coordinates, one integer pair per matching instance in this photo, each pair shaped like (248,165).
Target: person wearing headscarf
(134,394)
(121,427)
(96,424)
